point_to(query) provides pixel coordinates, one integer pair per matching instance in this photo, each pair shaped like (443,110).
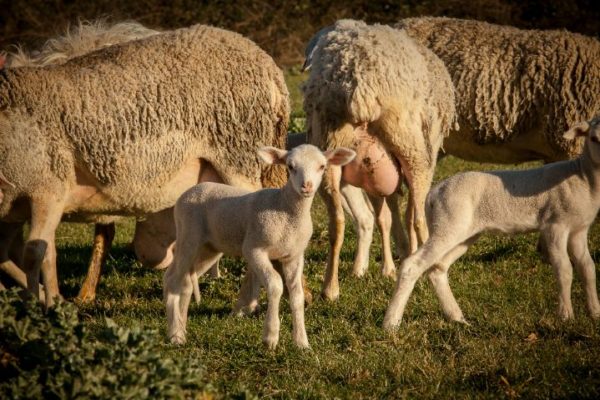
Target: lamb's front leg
(258,261)
(556,238)
(292,271)
(583,262)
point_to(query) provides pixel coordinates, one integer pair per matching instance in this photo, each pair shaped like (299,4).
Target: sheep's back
(509,80)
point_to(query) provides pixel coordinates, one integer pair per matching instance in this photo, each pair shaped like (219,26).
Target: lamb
(85,37)
(375,89)
(88,137)
(268,225)
(560,200)
(517,90)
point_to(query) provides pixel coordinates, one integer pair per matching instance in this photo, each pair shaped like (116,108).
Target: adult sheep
(373,86)
(85,37)
(517,90)
(126,129)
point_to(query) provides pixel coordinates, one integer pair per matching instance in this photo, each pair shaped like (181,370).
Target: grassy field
(514,347)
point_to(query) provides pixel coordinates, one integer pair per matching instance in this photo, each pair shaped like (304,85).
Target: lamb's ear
(5,182)
(272,155)
(340,156)
(577,130)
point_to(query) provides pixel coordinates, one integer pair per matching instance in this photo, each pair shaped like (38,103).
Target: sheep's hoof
(390,274)
(330,294)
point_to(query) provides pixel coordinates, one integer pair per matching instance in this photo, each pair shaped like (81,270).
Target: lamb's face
(306,164)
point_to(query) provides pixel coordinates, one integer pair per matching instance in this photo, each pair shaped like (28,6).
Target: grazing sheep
(84,38)
(375,89)
(268,225)
(89,137)
(560,200)
(517,90)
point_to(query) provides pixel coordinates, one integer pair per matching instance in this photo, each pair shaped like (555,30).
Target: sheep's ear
(2,60)
(340,156)
(577,130)
(272,155)
(5,182)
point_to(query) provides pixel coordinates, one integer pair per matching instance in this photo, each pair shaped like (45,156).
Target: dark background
(282,27)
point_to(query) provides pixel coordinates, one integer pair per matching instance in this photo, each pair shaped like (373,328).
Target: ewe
(560,200)
(269,225)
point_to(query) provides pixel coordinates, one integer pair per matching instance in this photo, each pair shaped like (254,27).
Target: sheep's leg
(438,275)
(410,271)
(293,280)
(398,231)
(384,221)
(330,191)
(583,262)
(247,303)
(556,244)
(103,237)
(259,262)
(362,216)
(215,273)
(40,251)
(17,244)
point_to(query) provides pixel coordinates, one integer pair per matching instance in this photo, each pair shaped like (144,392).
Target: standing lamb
(268,225)
(517,90)
(84,38)
(560,200)
(375,89)
(90,137)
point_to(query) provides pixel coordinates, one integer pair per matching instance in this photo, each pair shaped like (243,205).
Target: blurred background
(282,27)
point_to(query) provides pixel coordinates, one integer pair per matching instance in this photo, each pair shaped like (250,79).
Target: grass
(514,347)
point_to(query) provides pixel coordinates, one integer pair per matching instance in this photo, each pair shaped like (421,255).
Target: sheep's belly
(374,170)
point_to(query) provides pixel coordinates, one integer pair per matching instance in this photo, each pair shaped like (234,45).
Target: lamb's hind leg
(556,241)
(583,262)
(40,249)
(411,269)
(438,275)
(384,222)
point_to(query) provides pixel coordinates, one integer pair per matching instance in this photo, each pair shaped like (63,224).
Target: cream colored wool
(128,118)
(379,77)
(517,90)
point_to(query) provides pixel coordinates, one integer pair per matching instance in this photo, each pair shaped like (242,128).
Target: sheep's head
(591,130)
(306,164)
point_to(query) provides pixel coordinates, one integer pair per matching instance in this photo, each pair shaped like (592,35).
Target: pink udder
(373,169)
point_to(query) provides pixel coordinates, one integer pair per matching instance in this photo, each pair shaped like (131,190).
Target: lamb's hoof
(359,271)
(246,311)
(390,326)
(303,344)
(463,321)
(565,315)
(85,297)
(330,294)
(390,274)
(178,339)
(271,342)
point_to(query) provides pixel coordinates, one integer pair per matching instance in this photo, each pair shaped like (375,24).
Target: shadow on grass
(493,255)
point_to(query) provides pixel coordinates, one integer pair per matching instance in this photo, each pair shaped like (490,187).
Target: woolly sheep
(560,200)
(375,82)
(268,225)
(85,37)
(89,137)
(517,90)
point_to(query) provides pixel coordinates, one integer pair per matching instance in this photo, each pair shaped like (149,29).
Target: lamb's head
(591,130)
(306,164)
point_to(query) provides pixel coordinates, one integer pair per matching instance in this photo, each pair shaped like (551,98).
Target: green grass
(505,290)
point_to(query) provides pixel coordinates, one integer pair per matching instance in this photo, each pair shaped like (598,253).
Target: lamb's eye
(321,168)
(290,167)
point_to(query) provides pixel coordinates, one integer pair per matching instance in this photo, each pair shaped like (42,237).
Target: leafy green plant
(52,355)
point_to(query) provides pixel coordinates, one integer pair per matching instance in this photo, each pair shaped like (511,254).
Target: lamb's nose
(595,139)
(307,186)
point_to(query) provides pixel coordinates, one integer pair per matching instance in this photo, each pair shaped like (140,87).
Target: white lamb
(269,225)
(560,200)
